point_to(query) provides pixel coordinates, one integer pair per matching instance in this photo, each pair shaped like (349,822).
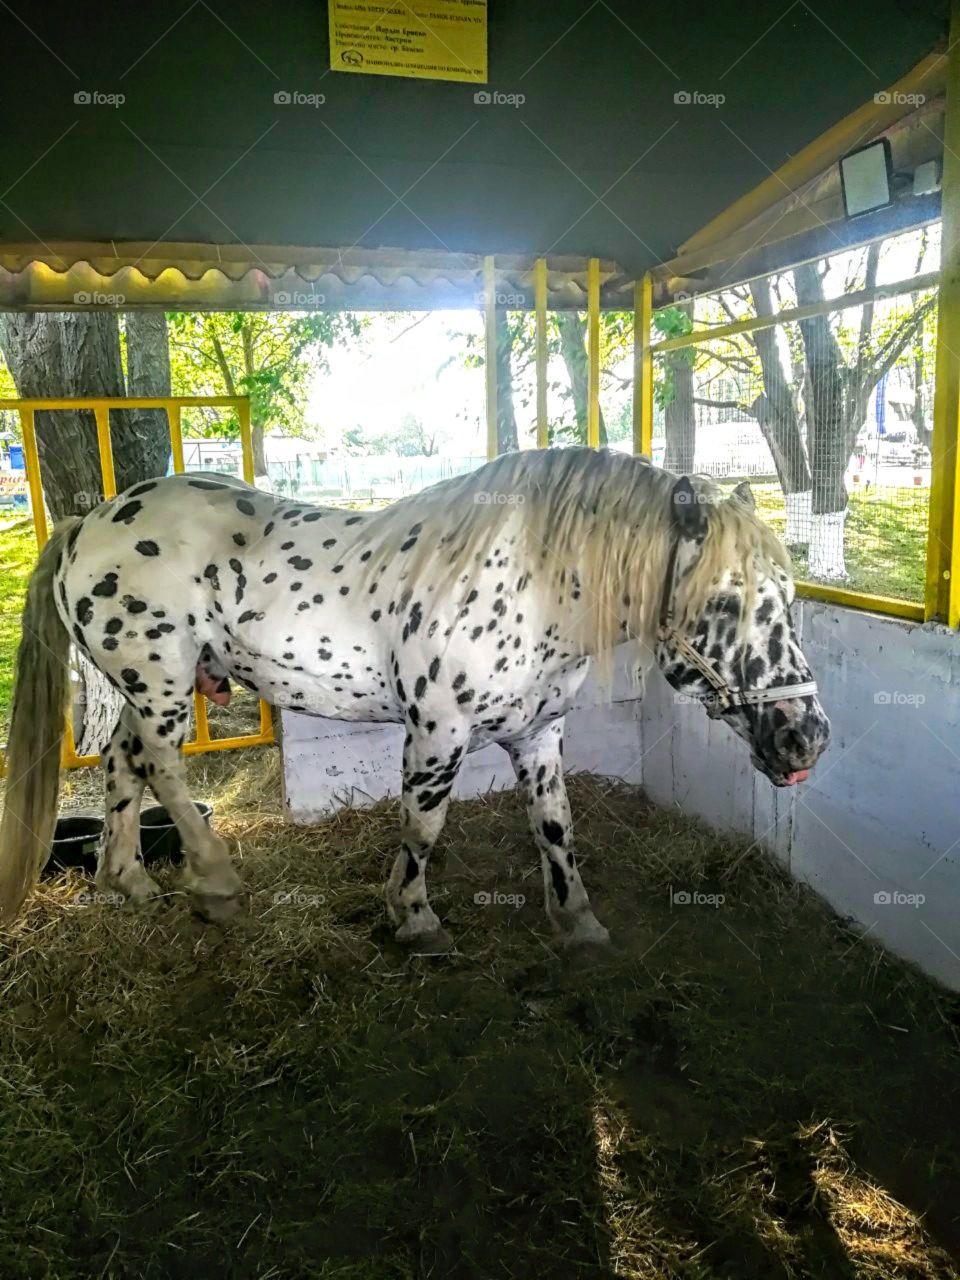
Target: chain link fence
(829,413)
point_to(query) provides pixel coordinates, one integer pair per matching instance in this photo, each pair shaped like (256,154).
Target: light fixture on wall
(866,178)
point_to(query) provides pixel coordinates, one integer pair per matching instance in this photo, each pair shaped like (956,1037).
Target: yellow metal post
(175,426)
(490,353)
(200,715)
(540,305)
(68,752)
(31,459)
(643,367)
(102,414)
(593,353)
(943,534)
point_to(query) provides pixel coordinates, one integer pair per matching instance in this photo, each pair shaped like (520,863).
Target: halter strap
(726,695)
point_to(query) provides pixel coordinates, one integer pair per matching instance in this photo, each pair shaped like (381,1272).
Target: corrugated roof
(238,277)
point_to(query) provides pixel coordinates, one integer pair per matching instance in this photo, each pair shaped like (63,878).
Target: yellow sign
(421,39)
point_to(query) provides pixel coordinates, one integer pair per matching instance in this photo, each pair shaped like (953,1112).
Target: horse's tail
(36,732)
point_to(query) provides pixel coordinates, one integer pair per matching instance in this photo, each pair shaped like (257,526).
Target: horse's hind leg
(538,764)
(121,870)
(209,875)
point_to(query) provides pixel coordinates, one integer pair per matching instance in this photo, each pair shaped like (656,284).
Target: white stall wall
(331,763)
(876,830)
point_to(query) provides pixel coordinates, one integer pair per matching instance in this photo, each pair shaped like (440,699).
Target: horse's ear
(689,517)
(744,495)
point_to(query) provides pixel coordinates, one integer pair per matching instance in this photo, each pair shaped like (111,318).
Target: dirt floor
(740,1088)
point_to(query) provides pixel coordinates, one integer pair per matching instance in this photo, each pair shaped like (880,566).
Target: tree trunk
(573,349)
(259,452)
(825,431)
(261,476)
(507,439)
(777,413)
(919,416)
(78,354)
(148,374)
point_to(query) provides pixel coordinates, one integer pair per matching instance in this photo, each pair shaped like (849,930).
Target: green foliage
(269,356)
(671,322)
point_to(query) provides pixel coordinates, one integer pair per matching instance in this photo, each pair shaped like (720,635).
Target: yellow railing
(645,349)
(540,352)
(173,407)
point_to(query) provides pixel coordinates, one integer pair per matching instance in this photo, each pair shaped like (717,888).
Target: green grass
(18,552)
(885,542)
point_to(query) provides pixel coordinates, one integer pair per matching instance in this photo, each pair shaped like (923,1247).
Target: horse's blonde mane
(605,519)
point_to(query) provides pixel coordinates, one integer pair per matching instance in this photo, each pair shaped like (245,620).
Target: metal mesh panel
(829,416)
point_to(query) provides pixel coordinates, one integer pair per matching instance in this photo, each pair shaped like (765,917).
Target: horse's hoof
(588,933)
(433,942)
(217,908)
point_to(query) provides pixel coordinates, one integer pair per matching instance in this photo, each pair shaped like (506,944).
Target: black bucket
(75,842)
(159,837)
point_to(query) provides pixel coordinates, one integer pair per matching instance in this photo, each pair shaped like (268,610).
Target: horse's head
(726,636)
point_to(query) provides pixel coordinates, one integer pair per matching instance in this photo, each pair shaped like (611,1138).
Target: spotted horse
(469,613)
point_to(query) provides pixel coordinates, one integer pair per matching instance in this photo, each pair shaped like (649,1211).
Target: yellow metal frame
(101,406)
(593,353)
(643,367)
(943,531)
(917,284)
(540,310)
(868,121)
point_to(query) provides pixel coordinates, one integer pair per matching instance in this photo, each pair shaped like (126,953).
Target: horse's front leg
(429,770)
(538,763)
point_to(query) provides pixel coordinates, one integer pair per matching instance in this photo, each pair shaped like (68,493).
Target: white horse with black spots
(468,613)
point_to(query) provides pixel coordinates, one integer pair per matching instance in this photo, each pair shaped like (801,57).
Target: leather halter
(727,697)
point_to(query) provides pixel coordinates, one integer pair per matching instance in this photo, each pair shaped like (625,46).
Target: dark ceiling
(599,159)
